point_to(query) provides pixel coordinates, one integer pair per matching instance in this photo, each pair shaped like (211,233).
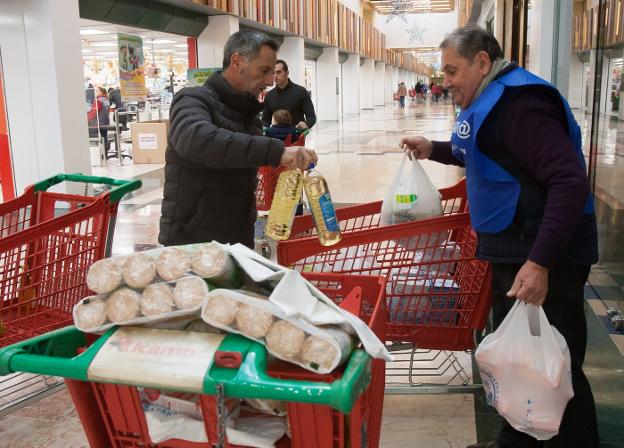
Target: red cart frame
(47,242)
(438,292)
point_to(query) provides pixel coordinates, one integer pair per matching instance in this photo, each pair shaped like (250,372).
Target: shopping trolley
(333,410)
(47,242)
(438,293)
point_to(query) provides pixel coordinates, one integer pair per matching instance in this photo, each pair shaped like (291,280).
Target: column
(292,52)
(211,41)
(388,84)
(395,78)
(351,85)
(327,67)
(575,85)
(367,84)
(44,87)
(380,75)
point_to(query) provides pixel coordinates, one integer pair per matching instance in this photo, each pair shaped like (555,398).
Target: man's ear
(235,59)
(484,62)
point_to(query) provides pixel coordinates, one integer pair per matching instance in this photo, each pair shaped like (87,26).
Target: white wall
(388,85)
(211,41)
(351,85)
(44,87)
(433,27)
(367,84)
(292,51)
(380,75)
(327,67)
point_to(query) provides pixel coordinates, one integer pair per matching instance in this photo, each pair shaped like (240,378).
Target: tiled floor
(359,156)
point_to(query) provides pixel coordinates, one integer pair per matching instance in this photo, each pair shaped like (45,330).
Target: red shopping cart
(267,178)
(47,242)
(112,414)
(438,292)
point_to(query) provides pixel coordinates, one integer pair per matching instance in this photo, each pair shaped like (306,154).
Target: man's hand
(530,284)
(298,157)
(416,147)
(302,126)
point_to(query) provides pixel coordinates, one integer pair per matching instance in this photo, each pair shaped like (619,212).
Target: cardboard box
(149,141)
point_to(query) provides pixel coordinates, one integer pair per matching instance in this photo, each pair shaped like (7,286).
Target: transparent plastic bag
(525,369)
(411,196)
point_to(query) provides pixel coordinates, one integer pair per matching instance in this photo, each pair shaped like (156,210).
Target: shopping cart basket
(267,179)
(333,410)
(47,242)
(438,292)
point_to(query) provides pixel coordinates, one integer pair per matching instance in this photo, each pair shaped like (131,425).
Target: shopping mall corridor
(359,156)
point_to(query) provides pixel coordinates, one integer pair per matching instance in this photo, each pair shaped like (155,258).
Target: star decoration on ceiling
(416,33)
(398,10)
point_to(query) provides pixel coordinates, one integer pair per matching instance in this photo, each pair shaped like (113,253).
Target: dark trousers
(564,307)
(402,101)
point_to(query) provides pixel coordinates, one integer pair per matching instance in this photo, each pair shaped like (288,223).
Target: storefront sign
(198,76)
(131,68)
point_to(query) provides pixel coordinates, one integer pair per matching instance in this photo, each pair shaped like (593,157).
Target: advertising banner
(131,68)
(198,76)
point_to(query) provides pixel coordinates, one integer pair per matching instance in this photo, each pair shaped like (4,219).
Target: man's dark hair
(470,40)
(284,64)
(247,44)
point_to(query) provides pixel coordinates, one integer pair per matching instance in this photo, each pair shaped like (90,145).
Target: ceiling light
(104,44)
(181,45)
(84,50)
(107,52)
(162,41)
(92,32)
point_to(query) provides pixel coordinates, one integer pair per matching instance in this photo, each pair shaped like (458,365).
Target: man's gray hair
(247,44)
(470,40)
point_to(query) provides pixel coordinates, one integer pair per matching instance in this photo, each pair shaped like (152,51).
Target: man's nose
(269,79)
(446,83)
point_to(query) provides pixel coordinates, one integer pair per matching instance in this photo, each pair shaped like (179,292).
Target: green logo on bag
(405,198)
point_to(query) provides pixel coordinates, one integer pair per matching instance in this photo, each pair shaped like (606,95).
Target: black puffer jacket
(214,150)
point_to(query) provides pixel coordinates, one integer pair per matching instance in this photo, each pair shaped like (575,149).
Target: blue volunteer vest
(492,192)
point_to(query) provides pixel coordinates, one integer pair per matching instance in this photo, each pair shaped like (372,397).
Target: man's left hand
(302,126)
(530,284)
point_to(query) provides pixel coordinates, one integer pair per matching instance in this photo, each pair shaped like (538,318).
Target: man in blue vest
(529,201)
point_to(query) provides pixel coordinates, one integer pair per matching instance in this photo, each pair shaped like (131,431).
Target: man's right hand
(416,147)
(298,157)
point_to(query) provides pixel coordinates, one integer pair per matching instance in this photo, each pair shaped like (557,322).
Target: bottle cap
(311,166)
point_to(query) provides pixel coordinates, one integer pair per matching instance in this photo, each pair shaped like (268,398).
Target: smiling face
(462,77)
(253,74)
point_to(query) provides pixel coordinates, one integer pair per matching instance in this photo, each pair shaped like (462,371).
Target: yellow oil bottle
(282,213)
(322,208)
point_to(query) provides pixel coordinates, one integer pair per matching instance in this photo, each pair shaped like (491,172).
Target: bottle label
(329,214)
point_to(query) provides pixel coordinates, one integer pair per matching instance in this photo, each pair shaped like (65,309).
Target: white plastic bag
(525,369)
(411,196)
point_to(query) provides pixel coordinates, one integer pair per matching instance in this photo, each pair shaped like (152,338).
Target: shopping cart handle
(122,186)
(252,381)
(53,353)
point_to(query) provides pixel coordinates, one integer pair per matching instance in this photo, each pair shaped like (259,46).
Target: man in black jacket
(215,147)
(290,96)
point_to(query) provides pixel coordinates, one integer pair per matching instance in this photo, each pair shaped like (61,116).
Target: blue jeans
(402,101)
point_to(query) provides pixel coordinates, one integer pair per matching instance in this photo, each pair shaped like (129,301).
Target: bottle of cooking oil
(282,213)
(322,207)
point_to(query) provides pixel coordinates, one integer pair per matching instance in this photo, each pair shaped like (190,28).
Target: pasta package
(128,306)
(319,349)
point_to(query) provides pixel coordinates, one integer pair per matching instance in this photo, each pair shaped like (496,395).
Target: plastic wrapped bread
(286,337)
(127,306)
(213,263)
